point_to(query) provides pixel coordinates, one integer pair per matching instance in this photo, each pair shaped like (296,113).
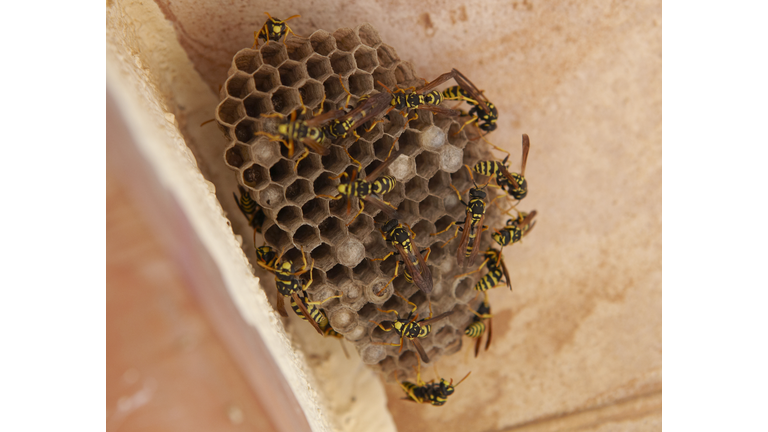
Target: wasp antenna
(462,380)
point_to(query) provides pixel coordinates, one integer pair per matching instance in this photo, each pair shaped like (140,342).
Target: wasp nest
(277,78)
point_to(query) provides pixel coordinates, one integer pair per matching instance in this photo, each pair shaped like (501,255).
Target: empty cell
(339,275)
(364,272)
(375,245)
(387,56)
(455,137)
(339,208)
(361,226)
(366,59)
(247,60)
(396,124)
(432,137)
(346,39)
(403,168)
(454,346)
(298,48)
(423,229)
(334,91)
(438,184)
(325,185)
(427,164)
(311,94)
(461,180)
(368,35)
(342,63)
(282,172)
(409,142)
(291,73)
(277,238)
(315,210)
(382,146)
(239,85)
(450,158)
(319,67)
(298,192)
(351,251)
(318,276)
(255,177)
(332,230)
(244,131)
(343,319)
(416,189)
(230,111)
(322,42)
(324,258)
(385,76)
(289,218)
(336,160)
(360,84)
(257,104)
(463,289)
(362,151)
(266,79)
(285,100)
(404,74)
(273,53)
(372,354)
(306,236)
(237,155)
(409,211)
(310,166)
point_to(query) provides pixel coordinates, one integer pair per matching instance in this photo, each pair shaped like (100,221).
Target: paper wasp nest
(271,79)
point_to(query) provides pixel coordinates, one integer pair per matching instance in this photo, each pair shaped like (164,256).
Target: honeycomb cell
(385,76)
(289,218)
(396,124)
(322,42)
(282,172)
(460,179)
(423,229)
(364,272)
(410,211)
(342,63)
(334,91)
(324,185)
(362,151)
(343,319)
(404,74)
(285,100)
(375,245)
(306,236)
(450,159)
(454,346)
(230,111)
(239,85)
(318,276)
(372,354)
(257,104)
(387,56)
(350,252)
(409,142)
(371,133)
(291,73)
(456,136)
(277,238)
(339,275)
(357,333)
(298,192)
(273,53)
(265,152)
(346,39)
(312,93)
(464,289)
(244,131)
(272,197)
(403,168)
(298,48)
(247,60)
(368,35)
(416,189)
(324,257)
(382,147)
(439,184)
(360,84)
(266,79)
(366,59)
(332,230)
(427,164)
(318,67)
(315,210)
(336,161)
(256,177)
(432,138)
(237,155)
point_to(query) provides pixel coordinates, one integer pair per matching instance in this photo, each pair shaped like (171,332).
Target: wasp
(411,329)
(367,108)
(435,393)
(266,258)
(250,210)
(486,120)
(394,233)
(514,183)
(478,325)
(515,229)
(273,29)
(408,277)
(315,314)
(370,189)
(497,271)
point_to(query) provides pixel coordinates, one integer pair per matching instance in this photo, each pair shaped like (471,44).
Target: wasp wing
(490,333)
(323,118)
(316,146)
(435,319)
(424,282)
(460,251)
(477,345)
(373,175)
(526,148)
(505,271)
(438,110)
(420,349)
(304,310)
(379,204)
(281,306)
(473,91)
(370,108)
(476,240)
(424,271)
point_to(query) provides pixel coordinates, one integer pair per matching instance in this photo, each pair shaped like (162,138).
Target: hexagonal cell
(298,192)
(277,238)
(346,39)
(244,131)
(423,229)
(371,133)
(362,151)
(396,124)
(342,63)
(325,185)
(382,147)
(319,67)
(298,48)
(257,104)
(285,100)
(282,172)
(387,56)
(439,184)
(311,93)
(409,211)
(368,35)
(266,79)
(237,155)
(361,226)
(291,72)
(310,166)
(385,76)
(427,164)
(409,142)
(239,85)
(460,179)
(336,160)
(375,245)
(343,319)
(247,60)
(450,159)
(432,137)
(271,197)
(265,152)
(322,42)
(289,218)
(366,59)
(456,138)
(463,289)
(256,177)
(230,111)
(274,53)
(324,257)
(360,84)
(403,168)
(334,90)
(306,236)
(315,210)
(404,74)
(364,272)
(332,230)
(350,252)
(416,189)
(372,354)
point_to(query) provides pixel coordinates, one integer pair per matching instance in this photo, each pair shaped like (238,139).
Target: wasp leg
(385,257)
(397,267)
(473,271)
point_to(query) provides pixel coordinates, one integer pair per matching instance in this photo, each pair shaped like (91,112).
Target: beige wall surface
(577,345)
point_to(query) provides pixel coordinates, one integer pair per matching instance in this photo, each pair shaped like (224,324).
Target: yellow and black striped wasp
(497,271)
(515,229)
(425,253)
(486,120)
(315,314)
(366,109)
(370,189)
(273,29)
(435,393)
(394,233)
(266,258)
(410,328)
(250,210)
(480,323)
(514,183)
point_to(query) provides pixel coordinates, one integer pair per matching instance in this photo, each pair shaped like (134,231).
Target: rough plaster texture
(578,344)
